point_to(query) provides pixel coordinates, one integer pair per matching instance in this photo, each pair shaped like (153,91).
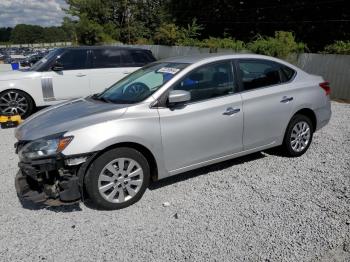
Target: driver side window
(208,81)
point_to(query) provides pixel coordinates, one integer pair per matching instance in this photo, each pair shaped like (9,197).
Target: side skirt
(221,159)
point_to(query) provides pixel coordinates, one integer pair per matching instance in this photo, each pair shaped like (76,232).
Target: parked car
(68,73)
(31,60)
(169,117)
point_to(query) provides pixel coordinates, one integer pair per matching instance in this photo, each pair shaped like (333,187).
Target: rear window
(257,73)
(113,57)
(106,58)
(287,73)
(141,57)
(138,58)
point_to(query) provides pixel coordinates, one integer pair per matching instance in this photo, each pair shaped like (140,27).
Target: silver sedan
(169,117)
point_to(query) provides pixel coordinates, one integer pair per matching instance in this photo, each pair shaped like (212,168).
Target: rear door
(267,96)
(72,81)
(108,66)
(209,126)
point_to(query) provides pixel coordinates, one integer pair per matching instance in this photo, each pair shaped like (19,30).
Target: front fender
(31,86)
(142,131)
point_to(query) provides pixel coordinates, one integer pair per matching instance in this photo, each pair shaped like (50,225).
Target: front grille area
(20,144)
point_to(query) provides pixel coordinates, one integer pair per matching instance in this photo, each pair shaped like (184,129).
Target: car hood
(16,75)
(68,116)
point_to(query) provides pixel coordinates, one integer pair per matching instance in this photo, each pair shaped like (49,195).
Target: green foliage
(171,34)
(282,45)
(89,32)
(68,27)
(25,34)
(143,41)
(228,43)
(29,34)
(5,34)
(168,34)
(338,47)
(192,30)
(111,20)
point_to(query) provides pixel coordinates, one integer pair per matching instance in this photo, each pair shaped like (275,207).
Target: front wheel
(16,102)
(118,178)
(298,136)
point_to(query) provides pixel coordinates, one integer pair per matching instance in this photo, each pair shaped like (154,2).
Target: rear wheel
(16,102)
(118,178)
(298,136)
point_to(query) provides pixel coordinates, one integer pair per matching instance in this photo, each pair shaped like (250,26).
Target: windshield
(141,84)
(38,66)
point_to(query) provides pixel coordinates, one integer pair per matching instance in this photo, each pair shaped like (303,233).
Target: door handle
(286,99)
(126,72)
(230,111)
(80,75)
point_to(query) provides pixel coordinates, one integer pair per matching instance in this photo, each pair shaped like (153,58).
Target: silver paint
(193,136)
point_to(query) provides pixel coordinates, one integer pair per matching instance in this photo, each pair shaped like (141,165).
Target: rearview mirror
(57,66)
(179,96)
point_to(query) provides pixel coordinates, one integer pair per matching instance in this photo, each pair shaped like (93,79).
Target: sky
(35,12)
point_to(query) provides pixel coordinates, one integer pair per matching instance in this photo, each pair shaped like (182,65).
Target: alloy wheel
(120,180)
(300,136)
(13,102)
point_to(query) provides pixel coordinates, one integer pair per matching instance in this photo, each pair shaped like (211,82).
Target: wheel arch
(21,90)
(310,114)
(142,149)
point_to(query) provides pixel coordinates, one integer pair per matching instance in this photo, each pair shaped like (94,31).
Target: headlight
(44,147)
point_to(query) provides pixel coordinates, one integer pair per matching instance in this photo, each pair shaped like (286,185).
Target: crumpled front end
(51,181)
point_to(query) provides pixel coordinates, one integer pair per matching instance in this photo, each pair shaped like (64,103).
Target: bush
(228,43)
(143,41)
(168,34)
(338,47)
(282,45)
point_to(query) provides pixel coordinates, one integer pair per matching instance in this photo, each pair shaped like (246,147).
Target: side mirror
(57,66)
(178,97)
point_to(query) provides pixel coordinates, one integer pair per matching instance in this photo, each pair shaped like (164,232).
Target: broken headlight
(44,147)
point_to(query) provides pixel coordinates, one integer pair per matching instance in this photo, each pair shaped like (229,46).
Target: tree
(27,34)
(315,22)
(123,20)
(5,34)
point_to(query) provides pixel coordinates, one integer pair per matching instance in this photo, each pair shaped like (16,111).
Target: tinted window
(208,81)
(137,58)
(141,57)
(105,58)
(287,73)
(260,73)
(255,74)
(73,59)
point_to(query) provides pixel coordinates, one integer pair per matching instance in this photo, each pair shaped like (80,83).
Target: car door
(267,98)
(73,80)
(210,125)
(108,67)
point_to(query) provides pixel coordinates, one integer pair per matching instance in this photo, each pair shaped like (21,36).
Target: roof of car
(191,59)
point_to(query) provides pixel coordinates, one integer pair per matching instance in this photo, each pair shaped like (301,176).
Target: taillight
(325,86)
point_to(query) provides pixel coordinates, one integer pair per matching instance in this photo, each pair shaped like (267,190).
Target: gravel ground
(261,207)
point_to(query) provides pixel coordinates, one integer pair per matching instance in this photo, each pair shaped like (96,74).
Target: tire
(16,102)
(298,136)
(109,183)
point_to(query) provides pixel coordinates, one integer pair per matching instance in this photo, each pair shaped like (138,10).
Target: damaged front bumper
(53,181)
